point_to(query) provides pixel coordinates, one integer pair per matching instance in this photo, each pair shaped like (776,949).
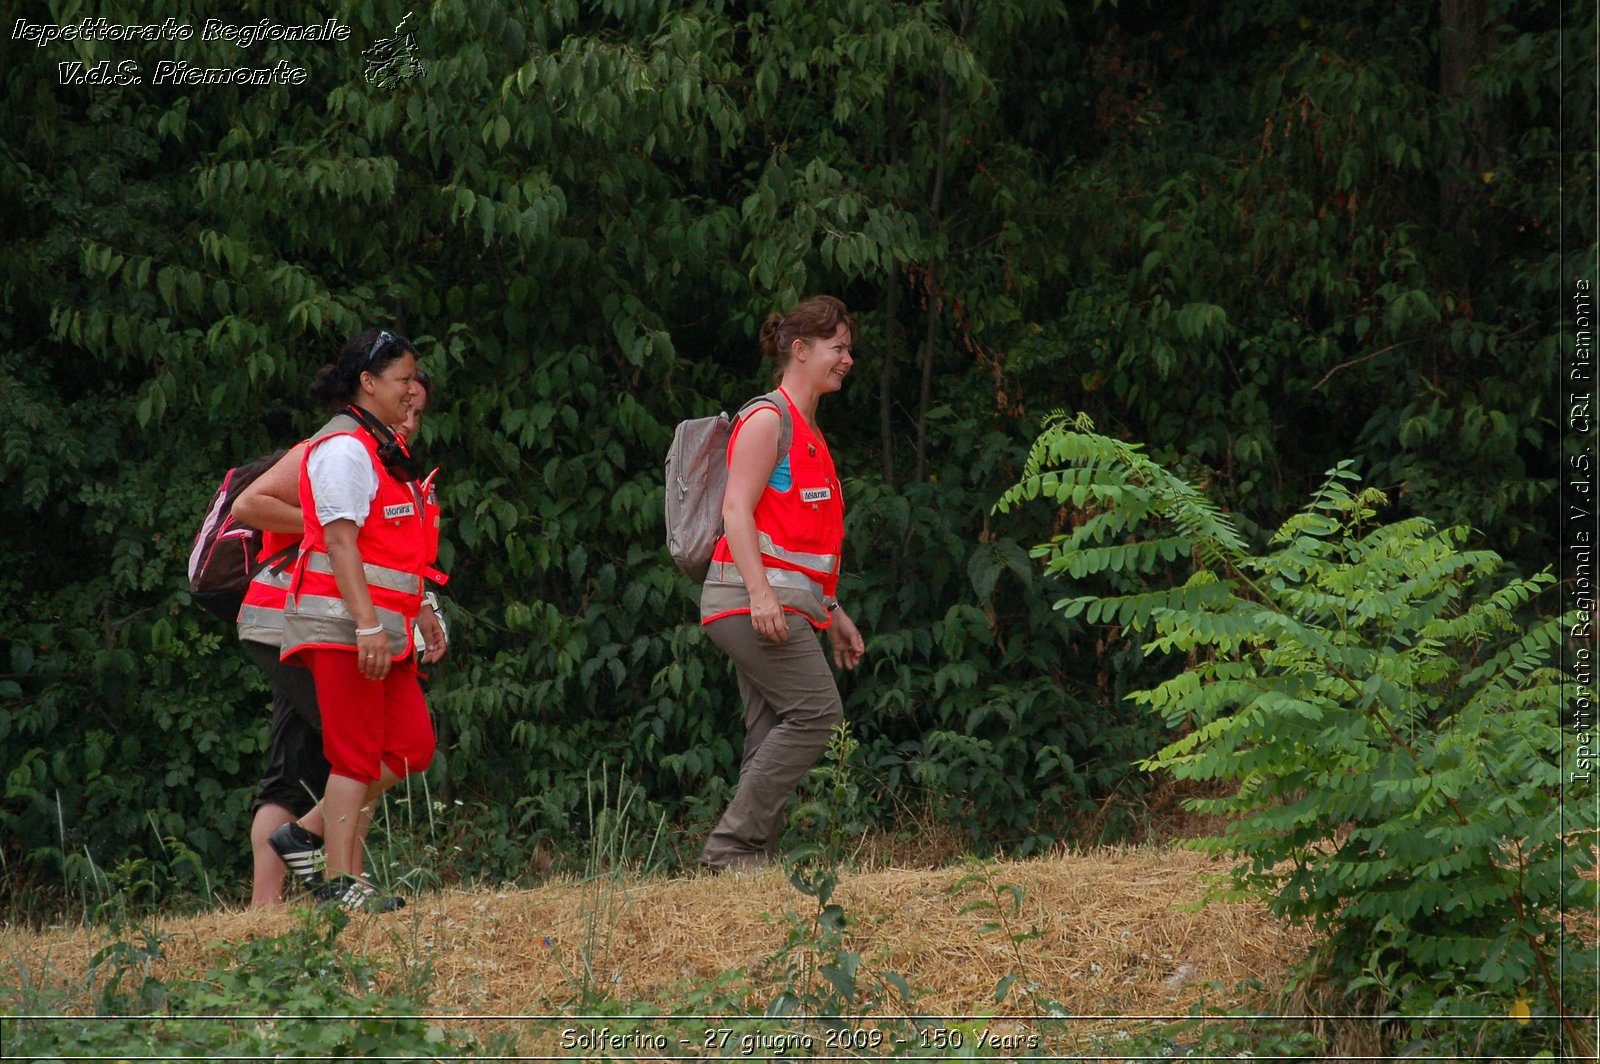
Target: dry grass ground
(1117,935)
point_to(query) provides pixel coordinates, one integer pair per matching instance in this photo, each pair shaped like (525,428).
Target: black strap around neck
(391,452)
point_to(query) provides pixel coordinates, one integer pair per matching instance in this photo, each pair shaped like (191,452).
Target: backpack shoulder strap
(785,422)
(340,422)
(778,402)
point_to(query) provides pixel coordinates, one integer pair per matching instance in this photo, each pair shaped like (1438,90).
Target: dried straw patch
(1116,935)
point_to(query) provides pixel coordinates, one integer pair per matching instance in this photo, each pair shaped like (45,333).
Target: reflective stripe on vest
(724,592)
(728,573)
(261,615)
(377,575)
(823,563)
(324,620)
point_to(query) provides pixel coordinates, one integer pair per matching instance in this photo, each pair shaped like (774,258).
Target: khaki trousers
(791,706)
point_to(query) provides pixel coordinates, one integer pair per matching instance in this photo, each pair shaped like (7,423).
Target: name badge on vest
(815,494)
(400,509)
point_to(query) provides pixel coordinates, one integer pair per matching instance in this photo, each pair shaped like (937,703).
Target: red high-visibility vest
(398,543)
(261,613)
(800,532)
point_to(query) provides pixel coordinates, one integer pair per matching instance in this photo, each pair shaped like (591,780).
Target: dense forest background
(1258,238)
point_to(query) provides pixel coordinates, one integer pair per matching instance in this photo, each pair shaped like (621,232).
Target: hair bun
(327,387)
(771,336)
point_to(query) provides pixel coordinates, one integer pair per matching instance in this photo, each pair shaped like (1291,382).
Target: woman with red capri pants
(284,835)
(371,536)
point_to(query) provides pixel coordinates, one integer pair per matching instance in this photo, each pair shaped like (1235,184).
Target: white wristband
(376,629)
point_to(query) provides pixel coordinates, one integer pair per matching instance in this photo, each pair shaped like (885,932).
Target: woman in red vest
(286,823)
(773,579)
(371,533)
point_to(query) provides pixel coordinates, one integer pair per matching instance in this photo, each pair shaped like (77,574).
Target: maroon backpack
(227,552)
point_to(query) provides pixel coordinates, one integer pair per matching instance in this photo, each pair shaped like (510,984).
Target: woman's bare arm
(272,501)
(755,456)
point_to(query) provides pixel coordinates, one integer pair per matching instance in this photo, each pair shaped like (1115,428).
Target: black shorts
(297,771)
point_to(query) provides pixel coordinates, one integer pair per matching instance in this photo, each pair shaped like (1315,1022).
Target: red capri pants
(365,722)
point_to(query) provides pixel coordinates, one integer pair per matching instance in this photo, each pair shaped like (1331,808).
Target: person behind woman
(773,578)
(371,531)
(297,771)
(286,821)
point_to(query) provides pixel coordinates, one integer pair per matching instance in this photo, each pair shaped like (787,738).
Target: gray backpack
(697,476)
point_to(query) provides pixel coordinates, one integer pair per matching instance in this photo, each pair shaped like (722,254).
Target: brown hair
(816,318)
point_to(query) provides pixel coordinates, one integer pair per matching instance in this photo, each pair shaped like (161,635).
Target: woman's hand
(848,646)
(372,651)
(372,655)
(767,617)
(433,635)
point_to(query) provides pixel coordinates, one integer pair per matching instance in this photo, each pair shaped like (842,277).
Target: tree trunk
(891,345)
(935,208)
(891,315)
(1464,42)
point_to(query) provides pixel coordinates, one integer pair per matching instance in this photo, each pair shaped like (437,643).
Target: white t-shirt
(342,480)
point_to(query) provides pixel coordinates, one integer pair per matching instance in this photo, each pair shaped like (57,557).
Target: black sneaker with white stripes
(350,893)
(302,852)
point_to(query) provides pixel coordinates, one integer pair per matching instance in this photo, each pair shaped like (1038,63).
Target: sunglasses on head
(424,378)
(379,342)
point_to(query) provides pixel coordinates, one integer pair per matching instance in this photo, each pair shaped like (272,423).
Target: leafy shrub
(1392,738)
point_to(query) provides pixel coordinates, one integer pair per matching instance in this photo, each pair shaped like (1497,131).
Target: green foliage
(1256,238)
(1332,288)
(1210,1033)
(827,820)
(832,997)
(1389,728)
(824,979)
(620,845)
(298,989)
(1003,901)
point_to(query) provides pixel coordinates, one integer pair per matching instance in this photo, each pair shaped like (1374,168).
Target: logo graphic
(394,59)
